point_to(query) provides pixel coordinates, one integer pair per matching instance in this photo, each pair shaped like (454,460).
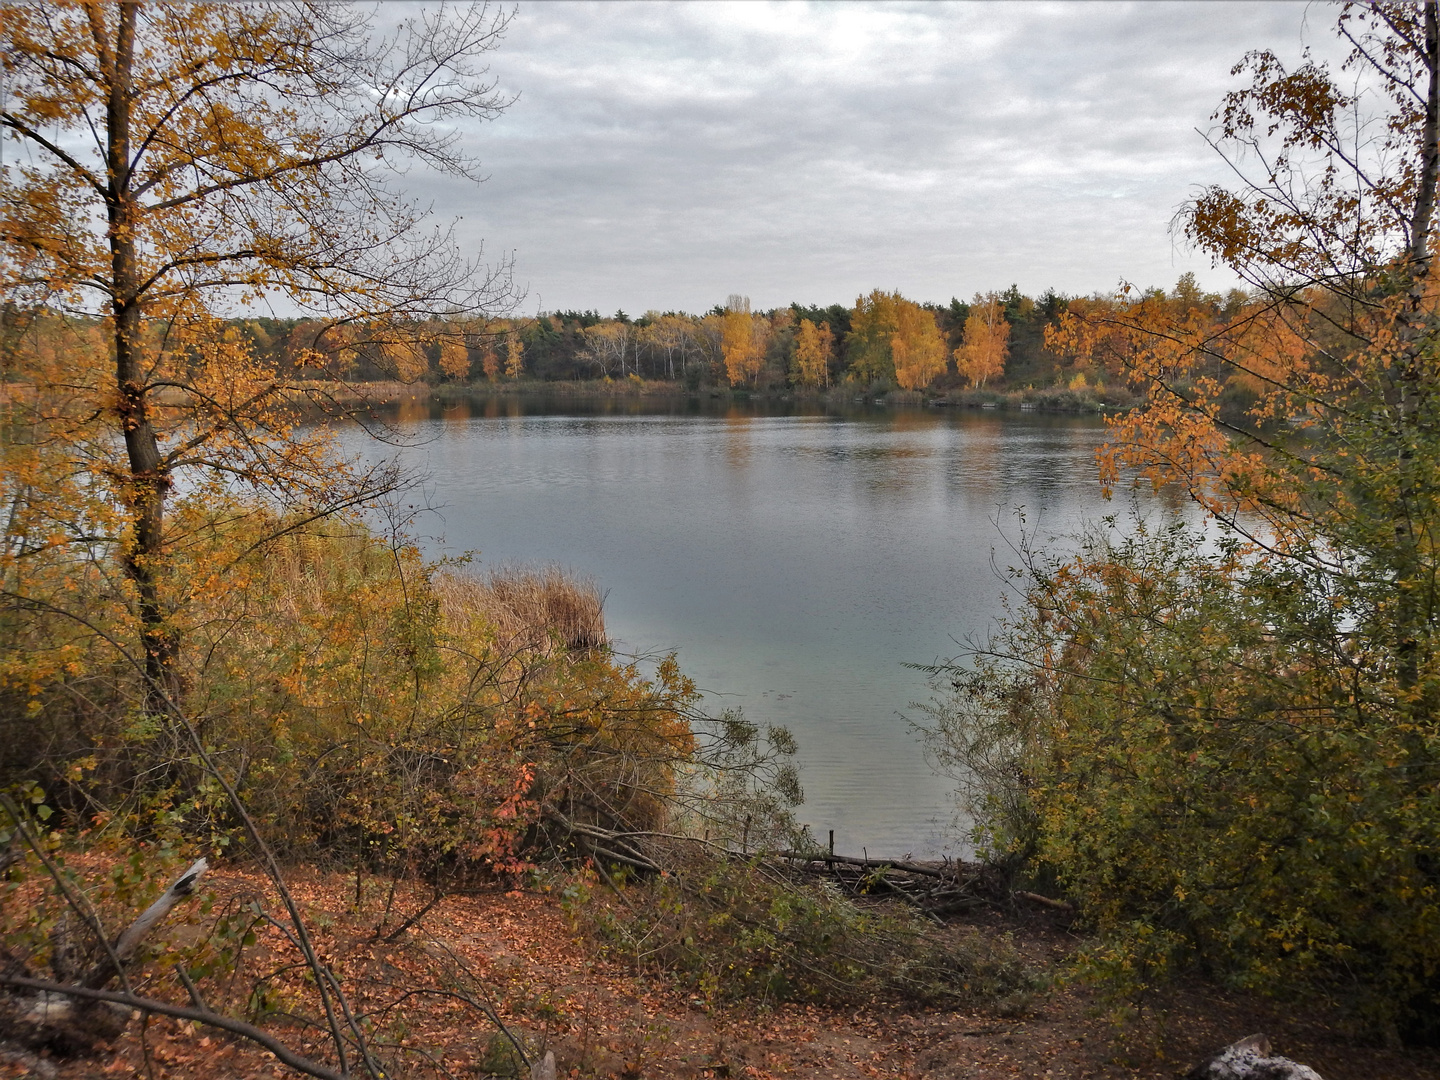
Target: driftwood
(71,1016)
(933,889)
(1250,1059)
(544,1069)
(1045,901)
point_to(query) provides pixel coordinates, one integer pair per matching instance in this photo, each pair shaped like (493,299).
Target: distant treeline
(883,340)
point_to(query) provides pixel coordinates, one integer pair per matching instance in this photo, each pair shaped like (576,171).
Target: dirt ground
(519,954)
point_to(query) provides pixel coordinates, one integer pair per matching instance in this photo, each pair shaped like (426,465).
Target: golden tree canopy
(873,323)
(743,340)
(514,357)
(894,338)
(814,346)
(176,159)
(981,355)
(917,346)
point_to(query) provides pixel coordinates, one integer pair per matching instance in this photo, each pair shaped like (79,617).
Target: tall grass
(537,609)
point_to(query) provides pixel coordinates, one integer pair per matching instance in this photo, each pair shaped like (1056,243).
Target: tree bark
(148,484)
(1429,144)
(1416,332)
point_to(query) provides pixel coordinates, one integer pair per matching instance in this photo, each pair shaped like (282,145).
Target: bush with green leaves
(741,928)
(1218,764)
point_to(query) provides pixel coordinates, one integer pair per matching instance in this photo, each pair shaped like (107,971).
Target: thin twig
(180,1012)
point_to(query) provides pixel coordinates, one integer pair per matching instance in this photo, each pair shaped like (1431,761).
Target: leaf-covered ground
(518,953)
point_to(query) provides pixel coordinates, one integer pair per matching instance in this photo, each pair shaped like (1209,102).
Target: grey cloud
(664,156)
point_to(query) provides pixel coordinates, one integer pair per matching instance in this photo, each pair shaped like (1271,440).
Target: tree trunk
(148,483)
(1412,611)
(1429,145)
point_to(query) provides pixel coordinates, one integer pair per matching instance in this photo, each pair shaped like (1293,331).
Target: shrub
(1218,768)
(731,928)
(367,705)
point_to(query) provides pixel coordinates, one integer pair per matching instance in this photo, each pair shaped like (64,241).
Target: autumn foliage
(742,343)
(814,346)
(205,642)
(383,711)
(892,338)
(1227,749)
(981,355)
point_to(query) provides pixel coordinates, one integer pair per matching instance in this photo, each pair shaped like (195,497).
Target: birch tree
(166,161)
(814,346)
(917,346)
(986,344)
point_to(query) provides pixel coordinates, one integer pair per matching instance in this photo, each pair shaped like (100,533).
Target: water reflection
(797,556)
(737,438)
(456,411)
(409,411)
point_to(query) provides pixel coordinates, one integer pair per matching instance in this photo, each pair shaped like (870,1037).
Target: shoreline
(352,394)
(1058,401)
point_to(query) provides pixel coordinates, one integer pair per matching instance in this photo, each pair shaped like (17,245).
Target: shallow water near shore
(797,558)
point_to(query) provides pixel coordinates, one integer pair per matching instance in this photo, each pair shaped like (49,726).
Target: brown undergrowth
(424,997)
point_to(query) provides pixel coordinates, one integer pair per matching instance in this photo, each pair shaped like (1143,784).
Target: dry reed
(531,608)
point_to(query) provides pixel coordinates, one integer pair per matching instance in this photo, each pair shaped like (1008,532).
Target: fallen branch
(949,893)
(180,1012)
(1036,898)
(395,934)
(136,932)
(850,860)
(617,857)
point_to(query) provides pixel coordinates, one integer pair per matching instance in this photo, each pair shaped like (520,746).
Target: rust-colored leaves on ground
(421,997)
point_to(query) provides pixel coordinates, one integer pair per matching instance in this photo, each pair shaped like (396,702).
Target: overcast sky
(664,156)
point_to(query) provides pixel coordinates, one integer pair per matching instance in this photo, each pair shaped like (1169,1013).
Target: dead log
(894,864)
(64,1016)
(128,1003)
(1045,901)
(126,944)
(1250,1059)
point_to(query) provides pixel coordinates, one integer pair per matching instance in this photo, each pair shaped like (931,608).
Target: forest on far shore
(996,341)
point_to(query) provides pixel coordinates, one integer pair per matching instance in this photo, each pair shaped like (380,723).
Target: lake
(797,558)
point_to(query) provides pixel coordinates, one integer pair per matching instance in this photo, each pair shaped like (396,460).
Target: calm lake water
(796,558)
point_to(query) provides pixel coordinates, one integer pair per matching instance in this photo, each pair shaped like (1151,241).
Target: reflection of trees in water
(980,470)
(998,464)
(893,469)
(903,460)
(913,420)
(494,408)
(738,437)
(972,461)
(412,410)
(456,411)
